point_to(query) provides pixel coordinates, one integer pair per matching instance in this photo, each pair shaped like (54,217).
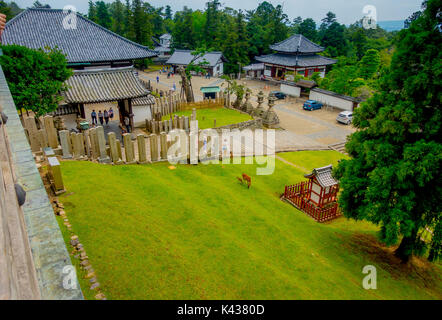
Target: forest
(242,35)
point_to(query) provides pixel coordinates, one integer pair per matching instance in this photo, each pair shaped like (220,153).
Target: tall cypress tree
(118,24)
(393,178)
(92,12)
(212,23)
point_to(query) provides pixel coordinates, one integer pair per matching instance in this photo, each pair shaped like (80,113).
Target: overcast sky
(347,11)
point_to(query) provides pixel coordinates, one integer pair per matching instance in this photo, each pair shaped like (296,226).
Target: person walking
(111,114)
(158,79)
(106,117)
(127,123)
(94,117)
(100,117)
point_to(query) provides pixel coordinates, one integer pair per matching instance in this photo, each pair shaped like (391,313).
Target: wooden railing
(297,195)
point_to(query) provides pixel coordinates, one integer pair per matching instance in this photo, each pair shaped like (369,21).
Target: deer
(248,179)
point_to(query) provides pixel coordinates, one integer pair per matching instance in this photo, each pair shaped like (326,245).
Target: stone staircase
(340,147)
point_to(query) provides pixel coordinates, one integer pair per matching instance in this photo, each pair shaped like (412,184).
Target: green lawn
(195,233)
(223,117)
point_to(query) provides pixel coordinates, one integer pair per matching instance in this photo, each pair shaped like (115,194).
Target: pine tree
(118,25)
(92,13)
(103,17)
(168,13)
(308,29)
(370,64)
(212,23)
(393,178)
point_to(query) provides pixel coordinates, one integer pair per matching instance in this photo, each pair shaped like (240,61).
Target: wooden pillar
(121,111)
(81,110)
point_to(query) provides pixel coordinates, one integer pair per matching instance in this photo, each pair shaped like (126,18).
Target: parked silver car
(345,117)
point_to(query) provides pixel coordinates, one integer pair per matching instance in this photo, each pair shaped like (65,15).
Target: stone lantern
(259,111)
(270,119)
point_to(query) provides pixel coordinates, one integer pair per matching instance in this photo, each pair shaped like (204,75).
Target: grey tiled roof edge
(291,60)
(46,241)
(184,57)
(331,93)
(324,176)
(297,43)
(89,42)
(103,85)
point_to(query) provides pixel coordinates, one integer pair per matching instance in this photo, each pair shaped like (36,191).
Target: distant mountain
(391,25)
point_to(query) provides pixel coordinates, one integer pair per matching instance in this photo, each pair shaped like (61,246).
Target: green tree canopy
(35,77)
(393,178)
(308,29)
(370,64)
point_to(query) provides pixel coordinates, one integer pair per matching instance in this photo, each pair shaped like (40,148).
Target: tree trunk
(405,249)
(186,85)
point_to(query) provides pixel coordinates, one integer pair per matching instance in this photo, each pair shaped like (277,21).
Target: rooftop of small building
(297,44)
(290,60)
(185,57)
(323,176)
(94,86)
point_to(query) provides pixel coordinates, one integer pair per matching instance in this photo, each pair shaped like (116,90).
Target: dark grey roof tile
(291,60)
(104,85)
(184,57)
(297,43)
(89,42)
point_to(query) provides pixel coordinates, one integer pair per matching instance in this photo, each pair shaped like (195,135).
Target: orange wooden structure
(316,197)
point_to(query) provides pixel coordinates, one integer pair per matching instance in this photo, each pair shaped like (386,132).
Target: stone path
(331,130)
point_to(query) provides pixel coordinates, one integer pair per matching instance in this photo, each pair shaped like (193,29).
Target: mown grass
(222,116)
(196,233)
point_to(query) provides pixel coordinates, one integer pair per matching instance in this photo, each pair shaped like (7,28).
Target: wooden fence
(298,196)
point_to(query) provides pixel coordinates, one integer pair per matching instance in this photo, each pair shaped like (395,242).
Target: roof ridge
(104,70)
(113,33)
(17,17)
(27,10)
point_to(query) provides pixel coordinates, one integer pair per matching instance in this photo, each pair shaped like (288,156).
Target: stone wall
(251,124)
(46,245)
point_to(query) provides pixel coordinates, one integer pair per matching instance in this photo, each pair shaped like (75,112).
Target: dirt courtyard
(311,129)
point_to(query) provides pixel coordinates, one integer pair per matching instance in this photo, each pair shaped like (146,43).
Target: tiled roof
(334,94)
(324,176)
(255,66)
(166,36)
(306,83)
(104,85)
(161,49)
(184,57)
(290,60)
(89,42)
(144,101)
(297,44)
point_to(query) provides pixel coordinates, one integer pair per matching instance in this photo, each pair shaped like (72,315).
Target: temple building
(163,47)
(102,60)
(212,62)
(295,55)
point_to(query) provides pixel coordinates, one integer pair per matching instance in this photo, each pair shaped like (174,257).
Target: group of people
(103,117)
(106,116)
